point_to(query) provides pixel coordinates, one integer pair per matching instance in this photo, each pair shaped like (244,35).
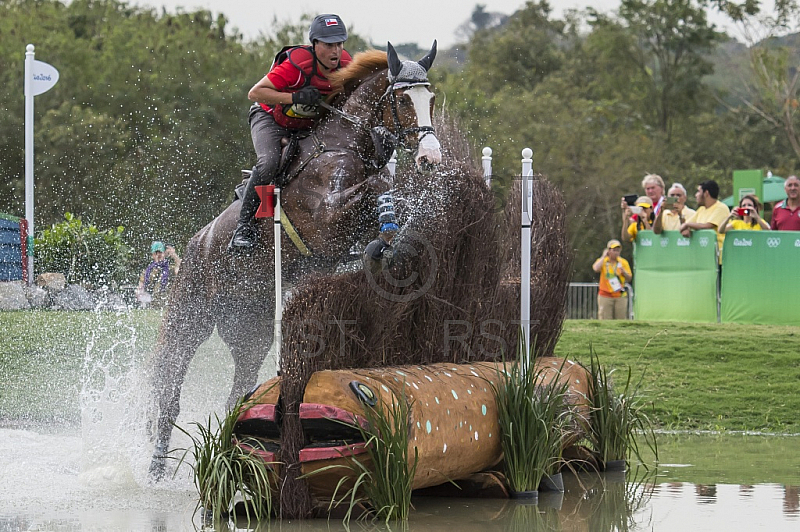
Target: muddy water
(88,473)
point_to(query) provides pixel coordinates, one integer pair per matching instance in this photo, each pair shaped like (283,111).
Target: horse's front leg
(181,335)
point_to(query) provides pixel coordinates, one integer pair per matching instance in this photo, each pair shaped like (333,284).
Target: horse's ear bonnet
(409,73)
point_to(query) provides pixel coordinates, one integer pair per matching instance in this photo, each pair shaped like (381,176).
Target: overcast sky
(399,21)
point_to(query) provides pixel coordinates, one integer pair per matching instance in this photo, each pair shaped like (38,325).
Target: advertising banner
(747,182)
(674,277)
(759,277)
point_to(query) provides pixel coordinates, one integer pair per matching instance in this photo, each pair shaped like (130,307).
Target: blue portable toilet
(10,249)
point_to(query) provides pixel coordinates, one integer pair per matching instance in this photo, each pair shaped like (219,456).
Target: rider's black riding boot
(245,237)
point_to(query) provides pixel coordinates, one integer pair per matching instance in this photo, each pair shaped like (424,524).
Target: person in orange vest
(612,299)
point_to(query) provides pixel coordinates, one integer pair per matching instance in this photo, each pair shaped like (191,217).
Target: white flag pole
(39,78)
(29,54)
(278,279)
(486,160)
(525,265)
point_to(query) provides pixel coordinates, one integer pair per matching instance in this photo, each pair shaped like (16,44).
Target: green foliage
(520,53)
(532,417)
(222,468)
(618,417)
(386,484)
(82,252)
(147,126)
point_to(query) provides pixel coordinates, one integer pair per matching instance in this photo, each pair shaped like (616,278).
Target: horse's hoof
(157,469)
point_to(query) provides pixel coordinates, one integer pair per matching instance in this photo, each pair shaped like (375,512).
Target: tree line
(651,88)
(147,126)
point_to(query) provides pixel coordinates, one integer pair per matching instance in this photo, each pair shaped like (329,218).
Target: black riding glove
(307,96)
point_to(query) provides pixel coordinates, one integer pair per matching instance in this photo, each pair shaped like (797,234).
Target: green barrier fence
(759,277)
(675,278)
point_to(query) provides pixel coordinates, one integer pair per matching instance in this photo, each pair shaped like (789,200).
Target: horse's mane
(362,66)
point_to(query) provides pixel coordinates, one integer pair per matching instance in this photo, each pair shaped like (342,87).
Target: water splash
(113,405)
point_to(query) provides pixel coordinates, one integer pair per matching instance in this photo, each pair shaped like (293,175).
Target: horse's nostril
(425,164)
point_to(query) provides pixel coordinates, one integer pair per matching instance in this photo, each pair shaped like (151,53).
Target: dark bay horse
(330,203)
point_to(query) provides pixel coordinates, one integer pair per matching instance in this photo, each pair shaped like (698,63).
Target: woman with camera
(745,217)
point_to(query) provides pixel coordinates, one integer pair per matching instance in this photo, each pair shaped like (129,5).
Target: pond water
(87,471)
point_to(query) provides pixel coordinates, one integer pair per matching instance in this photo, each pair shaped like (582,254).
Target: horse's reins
(401,132)
(320,148)
(347,116)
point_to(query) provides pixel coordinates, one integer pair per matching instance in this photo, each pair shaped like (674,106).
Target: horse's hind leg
(184,329)
(248,331)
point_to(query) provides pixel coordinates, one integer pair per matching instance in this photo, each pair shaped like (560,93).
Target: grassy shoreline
(717,377)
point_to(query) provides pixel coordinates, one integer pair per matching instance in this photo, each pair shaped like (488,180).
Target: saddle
(290,147)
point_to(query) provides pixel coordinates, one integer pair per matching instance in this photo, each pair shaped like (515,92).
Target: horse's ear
(427,61)
(394,62)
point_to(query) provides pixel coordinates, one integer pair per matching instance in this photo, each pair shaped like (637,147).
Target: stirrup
(244,237)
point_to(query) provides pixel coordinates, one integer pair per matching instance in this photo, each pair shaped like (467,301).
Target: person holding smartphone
(675,211)
(745,217)
(612,298)
(635,218)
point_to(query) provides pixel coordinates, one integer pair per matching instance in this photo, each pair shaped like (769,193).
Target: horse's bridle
(399,131)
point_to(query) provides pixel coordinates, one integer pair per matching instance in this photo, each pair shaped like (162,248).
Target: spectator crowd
(657,212)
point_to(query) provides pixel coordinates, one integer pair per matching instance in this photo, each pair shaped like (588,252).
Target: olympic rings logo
(773,242)
(703,241)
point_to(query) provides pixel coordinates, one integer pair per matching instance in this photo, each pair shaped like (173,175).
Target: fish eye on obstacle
(363,393)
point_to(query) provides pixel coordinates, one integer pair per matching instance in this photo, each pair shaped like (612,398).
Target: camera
(630,199)
(742,211)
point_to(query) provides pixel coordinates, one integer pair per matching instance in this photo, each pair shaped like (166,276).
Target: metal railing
(582,301)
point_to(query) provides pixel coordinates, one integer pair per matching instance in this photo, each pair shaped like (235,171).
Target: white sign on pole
(45,76)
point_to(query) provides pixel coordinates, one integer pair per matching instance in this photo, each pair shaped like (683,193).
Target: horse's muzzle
(429,151)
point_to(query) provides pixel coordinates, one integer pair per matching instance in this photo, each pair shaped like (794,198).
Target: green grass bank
(725,377)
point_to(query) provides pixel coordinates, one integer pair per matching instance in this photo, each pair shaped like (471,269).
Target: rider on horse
(286,100)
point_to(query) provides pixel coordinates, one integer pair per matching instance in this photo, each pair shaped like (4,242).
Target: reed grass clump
(223,469)
(533,417)
(385,479)
(617,415)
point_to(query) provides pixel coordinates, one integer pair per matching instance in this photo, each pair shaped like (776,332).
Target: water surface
(85,469)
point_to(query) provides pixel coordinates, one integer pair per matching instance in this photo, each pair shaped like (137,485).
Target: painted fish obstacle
(457,433)
(453,418)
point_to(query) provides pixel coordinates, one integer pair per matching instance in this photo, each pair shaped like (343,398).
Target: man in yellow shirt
(711,213)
